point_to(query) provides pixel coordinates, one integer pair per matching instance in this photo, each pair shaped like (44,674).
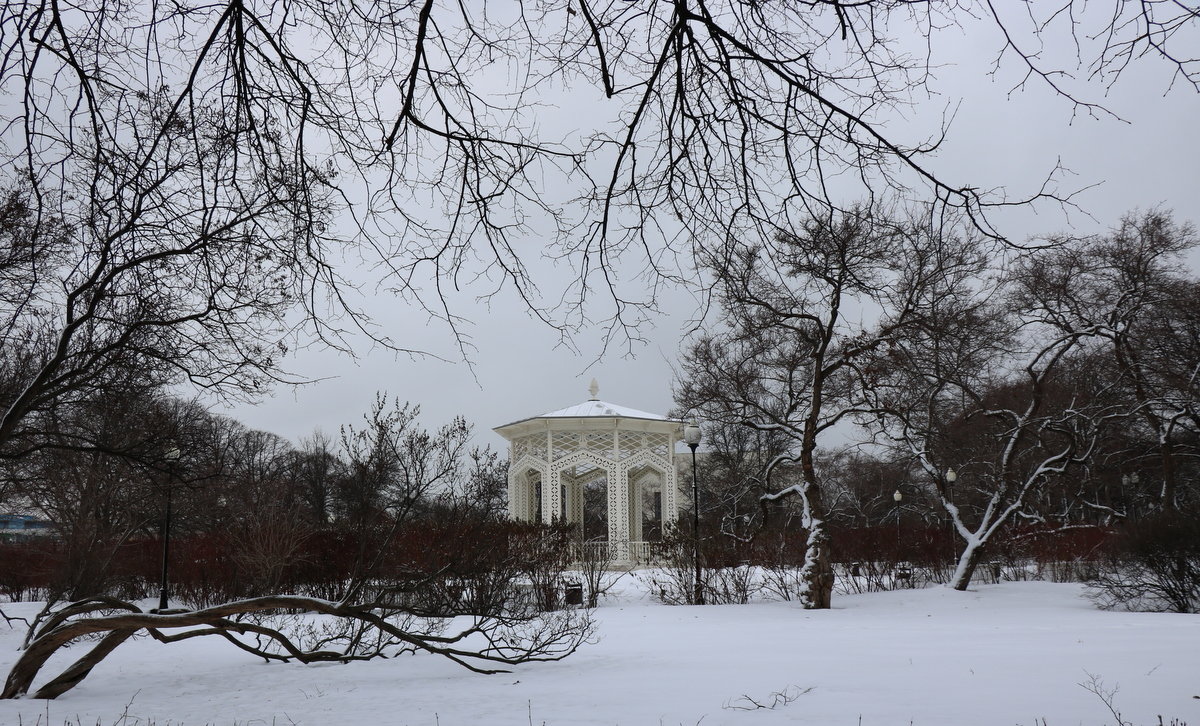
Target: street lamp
(897,497)
(951,477)
(691,437)
(171,456)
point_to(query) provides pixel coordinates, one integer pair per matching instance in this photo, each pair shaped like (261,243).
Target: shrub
(1153,565)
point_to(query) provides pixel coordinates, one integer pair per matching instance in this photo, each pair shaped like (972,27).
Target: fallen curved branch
(496,639)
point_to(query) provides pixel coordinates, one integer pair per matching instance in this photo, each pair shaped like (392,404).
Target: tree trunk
(967,563)
(80,669)
(20,678)
(817,573)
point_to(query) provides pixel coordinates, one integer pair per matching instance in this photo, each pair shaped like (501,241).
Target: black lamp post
(172,456)
(691,436)
(897,497)
(951,477)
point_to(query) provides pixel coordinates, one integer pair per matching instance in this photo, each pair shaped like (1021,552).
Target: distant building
(22,525)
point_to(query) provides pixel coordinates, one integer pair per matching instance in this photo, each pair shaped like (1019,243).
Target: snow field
(1006,654)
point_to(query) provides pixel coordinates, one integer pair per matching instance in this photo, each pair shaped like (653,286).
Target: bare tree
(731,480)
(746,119)
(162,285)
(482,487)
(265,517)
(395,465)
(97,498)
(317,468)
(394,468)
(993,401)
(1130,287)
(251,141)
(797,331)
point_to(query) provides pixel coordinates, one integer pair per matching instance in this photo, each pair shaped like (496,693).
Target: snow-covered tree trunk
(967,562)
(817,571)
(975,541)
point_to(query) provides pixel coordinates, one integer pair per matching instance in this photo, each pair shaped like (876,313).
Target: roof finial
(594,389)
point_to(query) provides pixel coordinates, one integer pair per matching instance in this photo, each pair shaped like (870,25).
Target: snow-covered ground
(1004,654)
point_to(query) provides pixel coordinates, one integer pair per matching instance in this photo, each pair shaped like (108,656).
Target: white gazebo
(608,469)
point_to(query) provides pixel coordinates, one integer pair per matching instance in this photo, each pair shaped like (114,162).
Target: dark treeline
(251,513)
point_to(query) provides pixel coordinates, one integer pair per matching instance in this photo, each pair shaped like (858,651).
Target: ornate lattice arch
(523,489)
(565,497)
(559,452)
(637,468)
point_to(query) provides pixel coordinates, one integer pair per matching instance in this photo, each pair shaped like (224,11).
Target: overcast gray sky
(1149,156)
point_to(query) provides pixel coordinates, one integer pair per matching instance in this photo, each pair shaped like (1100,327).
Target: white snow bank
(1003,654)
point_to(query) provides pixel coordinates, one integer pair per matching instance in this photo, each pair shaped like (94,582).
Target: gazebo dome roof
(593,408)
(601,409)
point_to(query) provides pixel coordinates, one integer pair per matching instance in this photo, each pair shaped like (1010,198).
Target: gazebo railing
(641,553)
(596,551)
(644,553)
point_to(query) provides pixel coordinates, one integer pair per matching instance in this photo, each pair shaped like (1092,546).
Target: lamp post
(951,477)
(691,436)
(897,497)
(172,457)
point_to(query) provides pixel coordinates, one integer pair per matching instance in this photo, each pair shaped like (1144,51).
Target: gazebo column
(552,497)
(573,489)
(670,496)
(517,502)
(618,514)
(580,499)
(548,476)
(635,510)
(522,494)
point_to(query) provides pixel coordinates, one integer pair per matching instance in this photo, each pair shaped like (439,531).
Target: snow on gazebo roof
(600,408)
(593,408)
